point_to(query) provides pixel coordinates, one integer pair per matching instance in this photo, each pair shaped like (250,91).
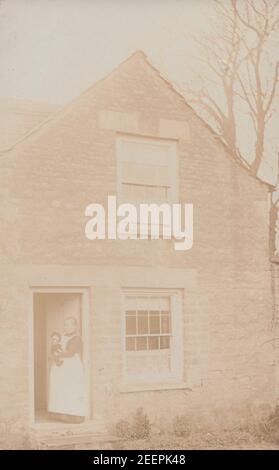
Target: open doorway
(59,356)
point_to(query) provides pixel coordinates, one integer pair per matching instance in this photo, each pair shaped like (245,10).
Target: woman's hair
(55,333)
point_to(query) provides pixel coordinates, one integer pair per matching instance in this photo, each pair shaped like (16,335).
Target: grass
(231,440)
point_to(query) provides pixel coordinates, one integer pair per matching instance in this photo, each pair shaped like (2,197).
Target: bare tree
(274,221)
(241,61)
(223,59)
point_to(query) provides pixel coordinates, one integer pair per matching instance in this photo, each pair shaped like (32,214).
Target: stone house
(174,332)
(274,244)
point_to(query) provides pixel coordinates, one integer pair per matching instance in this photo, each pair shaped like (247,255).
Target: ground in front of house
(228,440)
(237,439)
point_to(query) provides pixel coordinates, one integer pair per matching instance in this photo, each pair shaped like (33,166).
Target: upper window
(147,170)
(152,343)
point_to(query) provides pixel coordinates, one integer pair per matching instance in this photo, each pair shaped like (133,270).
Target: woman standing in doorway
(66,382)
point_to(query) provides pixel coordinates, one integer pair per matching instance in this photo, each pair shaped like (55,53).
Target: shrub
(270,427)
(141,425)
(138,427)
(181,427)
(123,429)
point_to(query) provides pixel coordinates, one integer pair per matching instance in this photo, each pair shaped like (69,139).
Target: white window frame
(172,156)
(176,373)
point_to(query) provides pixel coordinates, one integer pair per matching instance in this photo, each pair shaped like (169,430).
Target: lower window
(152,339)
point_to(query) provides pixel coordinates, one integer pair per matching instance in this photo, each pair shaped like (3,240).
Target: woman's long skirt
(67,387)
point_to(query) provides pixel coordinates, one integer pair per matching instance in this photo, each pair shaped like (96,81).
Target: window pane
(140,173)
(131,323)
(142,322)
(153,342)
(144,152)
(165,322)
(154,322)
(143,193)
(164,342)
(130,344)
(141,343)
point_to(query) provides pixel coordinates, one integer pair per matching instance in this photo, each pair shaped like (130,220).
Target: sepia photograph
(139,227)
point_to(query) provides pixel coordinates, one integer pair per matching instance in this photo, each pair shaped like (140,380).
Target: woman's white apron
(67,385)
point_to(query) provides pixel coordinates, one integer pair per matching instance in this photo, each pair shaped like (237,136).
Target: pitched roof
(18,118)
(42,114)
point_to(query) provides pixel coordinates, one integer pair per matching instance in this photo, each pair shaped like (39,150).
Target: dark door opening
(51,311)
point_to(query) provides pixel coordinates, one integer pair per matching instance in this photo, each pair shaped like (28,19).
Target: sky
(51,50)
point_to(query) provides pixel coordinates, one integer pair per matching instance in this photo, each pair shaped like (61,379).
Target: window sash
(156,322)
(146,163)
(144,193)
(169,358)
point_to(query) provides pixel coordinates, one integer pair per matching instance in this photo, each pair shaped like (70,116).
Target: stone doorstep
(94,425)
(50,436)
(76,441)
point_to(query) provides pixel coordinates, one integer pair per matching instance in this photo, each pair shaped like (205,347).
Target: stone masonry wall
(47,180)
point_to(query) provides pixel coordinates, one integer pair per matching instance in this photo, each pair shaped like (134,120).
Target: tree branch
(273,90)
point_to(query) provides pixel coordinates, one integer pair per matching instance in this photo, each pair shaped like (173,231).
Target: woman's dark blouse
(73,346)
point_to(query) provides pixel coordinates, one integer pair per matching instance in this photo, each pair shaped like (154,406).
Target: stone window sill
(142,387)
